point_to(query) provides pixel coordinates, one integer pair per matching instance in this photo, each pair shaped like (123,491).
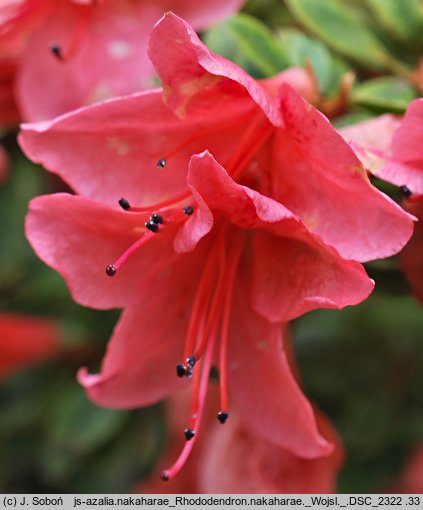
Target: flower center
(208,327)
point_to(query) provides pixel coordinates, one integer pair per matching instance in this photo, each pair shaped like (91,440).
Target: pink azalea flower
(412,255)
(249,219)
(371,140)
(255,465)
(71,52)
(390,148)
(25,340)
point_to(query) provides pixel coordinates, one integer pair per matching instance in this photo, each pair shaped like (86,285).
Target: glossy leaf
(302,50)
(384,94)
(343,28)
(249,43)
(402,19)
(98,426)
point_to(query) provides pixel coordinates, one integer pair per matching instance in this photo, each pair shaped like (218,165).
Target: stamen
(199,305)
(113,268)
(224,337)
(222,416)
(216,300)
(191,360)
(181,370)
(173,201)
(410,196)
(124,204)
(110,270)
(197,413)
(188,210)
(189,434)
(152,226)
(79,35)
(56,50)
(219,128)
(405,191)
(156,218)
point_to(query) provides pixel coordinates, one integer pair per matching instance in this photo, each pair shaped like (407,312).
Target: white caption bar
(253,501)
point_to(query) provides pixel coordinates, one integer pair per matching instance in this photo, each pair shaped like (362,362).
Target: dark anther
(56,51)
(152,226)
(180,370)
(189,372)
(164,476)
(110,270)
(124,204)
(222,416)
(189,434)
(191,360)
(405,191)
(161,163)
(188,210)
(156,218)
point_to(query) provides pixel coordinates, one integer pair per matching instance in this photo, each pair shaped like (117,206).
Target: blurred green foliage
(364,368)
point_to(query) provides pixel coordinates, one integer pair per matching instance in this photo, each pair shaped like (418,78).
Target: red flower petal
(106,43)
(139,365)
(122,159)
(293,276)
(405,167)
(371,140)
(25,340)
(412,254)
(262,385)
(292,270)
(320,179)
(186,67)
(79,238)
(108,57)
(258,466)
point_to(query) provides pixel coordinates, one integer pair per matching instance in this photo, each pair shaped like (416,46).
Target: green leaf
(343,28)
(402,19)
(75,429)
(352,118)
(301,49)
(23,183)
(384,94)
(249,43)
(80,425)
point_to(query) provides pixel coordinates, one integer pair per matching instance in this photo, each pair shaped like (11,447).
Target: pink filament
(170,473)
(133,248)
(223,350)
